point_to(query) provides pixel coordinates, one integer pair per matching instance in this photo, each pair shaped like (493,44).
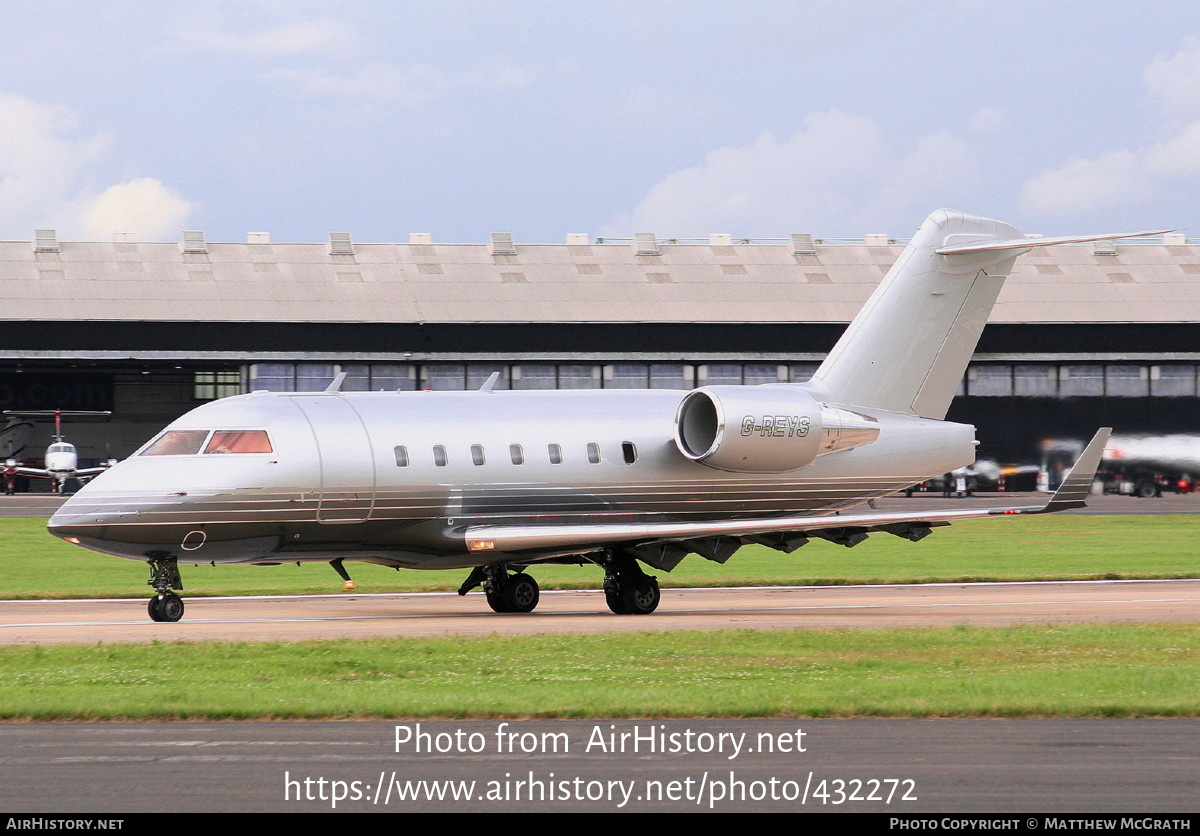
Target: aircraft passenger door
(347,493)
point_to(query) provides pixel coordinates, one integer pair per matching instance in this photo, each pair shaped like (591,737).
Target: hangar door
(347,463)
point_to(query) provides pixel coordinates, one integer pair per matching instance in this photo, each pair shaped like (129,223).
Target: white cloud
(1132,175)
(837,173)
(1173,81)
(324,36)
(45,179)
(41,162)
(989,120)
(144,206)
(1081,185)
(381,82)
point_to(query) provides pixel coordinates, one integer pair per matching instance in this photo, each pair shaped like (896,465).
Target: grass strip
(1062,671)
(36,565)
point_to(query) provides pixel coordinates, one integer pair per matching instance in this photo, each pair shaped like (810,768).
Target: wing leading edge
(784,533)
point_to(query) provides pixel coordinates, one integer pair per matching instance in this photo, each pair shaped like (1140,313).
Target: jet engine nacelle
(764,429)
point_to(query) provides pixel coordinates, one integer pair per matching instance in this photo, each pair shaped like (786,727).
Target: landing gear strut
(627,589)
(164,577)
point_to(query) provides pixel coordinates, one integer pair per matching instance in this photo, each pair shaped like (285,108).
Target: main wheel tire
(616,603)
(641,596)
(496,600)
(170,607)
(154,607)
(521,593)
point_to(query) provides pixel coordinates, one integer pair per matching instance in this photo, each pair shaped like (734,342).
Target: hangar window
(1032,381)
(439,455)
(1081,381)
(721,374)
(208,386)
(626,376)
(593,452)
(177,443)
(517,454)
(1127,381)
(578,377)
(401,456)
(477,454)
(629,450)
(555,451)
(1173,381)
(239,441)
(672,376)
(989,381)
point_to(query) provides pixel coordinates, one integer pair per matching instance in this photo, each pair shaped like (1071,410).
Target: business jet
(62,461)
(495,482)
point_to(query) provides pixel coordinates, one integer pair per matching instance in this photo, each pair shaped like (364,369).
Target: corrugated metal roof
(557,283)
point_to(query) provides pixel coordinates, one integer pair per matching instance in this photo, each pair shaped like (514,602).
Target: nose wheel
(166,606)
(164,577)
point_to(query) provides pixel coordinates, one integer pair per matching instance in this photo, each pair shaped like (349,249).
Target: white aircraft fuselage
(331,486)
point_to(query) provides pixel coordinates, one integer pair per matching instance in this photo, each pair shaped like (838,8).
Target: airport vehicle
(1135,465)
(62,460)
(497,481)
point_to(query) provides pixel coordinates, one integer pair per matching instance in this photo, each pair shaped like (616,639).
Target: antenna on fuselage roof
(490,383)
(336,387)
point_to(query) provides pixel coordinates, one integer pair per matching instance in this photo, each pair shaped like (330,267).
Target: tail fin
(907,349)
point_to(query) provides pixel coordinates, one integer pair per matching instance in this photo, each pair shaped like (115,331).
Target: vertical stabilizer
(908,347)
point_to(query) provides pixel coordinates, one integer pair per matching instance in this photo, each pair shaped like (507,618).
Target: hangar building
(1082,335)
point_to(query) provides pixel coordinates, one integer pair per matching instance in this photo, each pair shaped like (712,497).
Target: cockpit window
(59,448)
(177,443)
(239,441)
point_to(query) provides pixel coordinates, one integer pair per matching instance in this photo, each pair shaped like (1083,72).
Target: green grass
(1084,670)
(36,565)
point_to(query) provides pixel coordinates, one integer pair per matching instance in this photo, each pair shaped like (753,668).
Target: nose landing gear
(164,577)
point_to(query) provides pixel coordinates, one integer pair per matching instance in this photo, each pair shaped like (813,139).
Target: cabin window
(555,453)
(239,441)
(177,443)
(401,456)
(629,450)
(477,454)
(517,454)
(439,455)
(593,452)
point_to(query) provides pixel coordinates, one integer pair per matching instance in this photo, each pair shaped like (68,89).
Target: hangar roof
(340,281)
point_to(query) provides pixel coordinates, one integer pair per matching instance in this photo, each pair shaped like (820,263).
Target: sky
(542,118)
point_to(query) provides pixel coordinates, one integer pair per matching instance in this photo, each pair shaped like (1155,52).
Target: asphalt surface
(1014,767)
(302,617)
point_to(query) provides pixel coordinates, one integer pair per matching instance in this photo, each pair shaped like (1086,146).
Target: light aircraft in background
(497,481)
(62,461)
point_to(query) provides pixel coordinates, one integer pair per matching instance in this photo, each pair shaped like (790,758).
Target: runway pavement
(1072,769)
(294,618)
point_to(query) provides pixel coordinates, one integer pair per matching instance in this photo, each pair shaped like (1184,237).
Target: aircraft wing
(85,472)
(36,472)
(784,533)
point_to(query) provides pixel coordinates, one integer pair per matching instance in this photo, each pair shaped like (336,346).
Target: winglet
(336,387)
(490,383)
(1074,490)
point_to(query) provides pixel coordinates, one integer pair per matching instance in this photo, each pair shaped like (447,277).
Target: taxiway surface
(303,617)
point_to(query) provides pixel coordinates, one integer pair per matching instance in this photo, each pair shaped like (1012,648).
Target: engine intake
(764,429)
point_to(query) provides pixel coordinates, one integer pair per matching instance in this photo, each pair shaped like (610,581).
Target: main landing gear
(164,577)
(627,589)
(518,592)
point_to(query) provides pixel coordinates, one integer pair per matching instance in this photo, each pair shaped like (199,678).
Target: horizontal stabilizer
(989,245)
